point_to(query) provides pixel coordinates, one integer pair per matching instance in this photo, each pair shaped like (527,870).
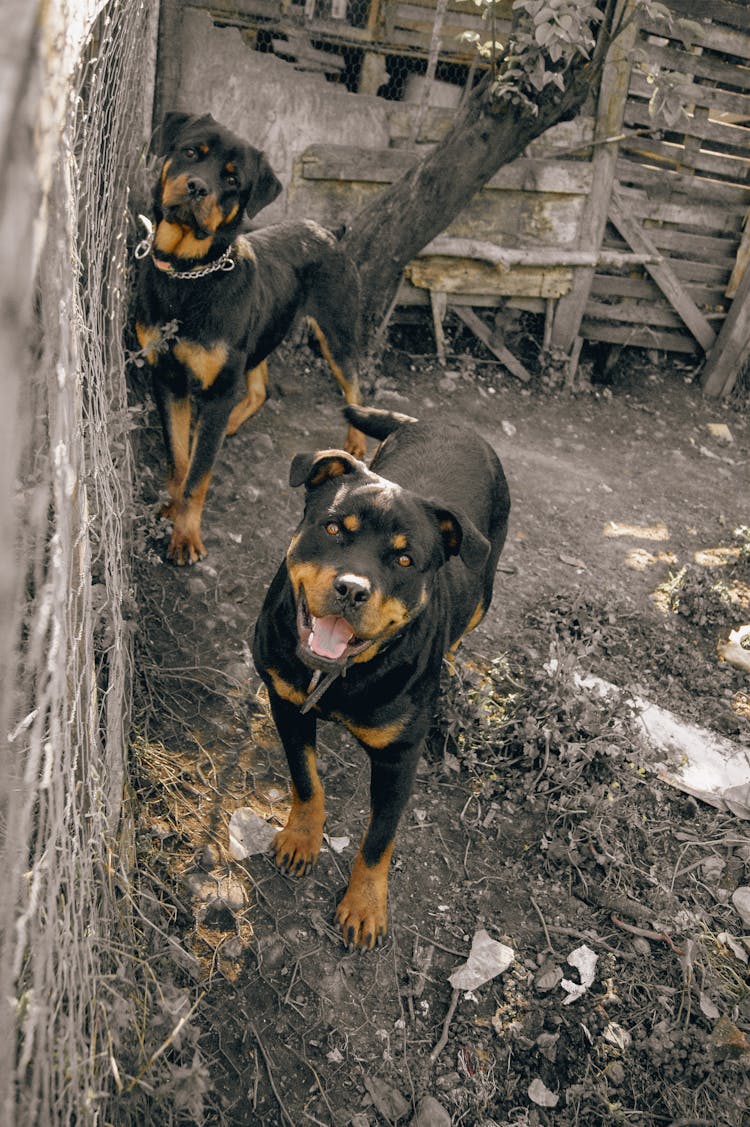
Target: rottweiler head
(364,559)
(209,177)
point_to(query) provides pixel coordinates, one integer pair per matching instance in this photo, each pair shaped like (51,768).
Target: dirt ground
(535,819)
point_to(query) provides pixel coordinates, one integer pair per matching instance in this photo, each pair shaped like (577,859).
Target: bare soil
(535,816)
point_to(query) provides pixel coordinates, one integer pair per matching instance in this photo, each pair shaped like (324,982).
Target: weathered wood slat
(692,246)
(732,348)
(717,219)
(634,337)
(666,184)
(383,166)
(712,37)
(638,313)
(694,93)
(701,66)
(731,12)
(694,269)
(504,355)
(461,275)
(617,285)
(736,137)
(663,275)
(734,168)
(610,107)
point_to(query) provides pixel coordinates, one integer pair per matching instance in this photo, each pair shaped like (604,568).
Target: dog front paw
(296,849)
(362,913)
(185,547)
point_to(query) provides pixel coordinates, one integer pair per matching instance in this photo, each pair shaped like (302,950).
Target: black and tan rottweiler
(234,297)
(387,571)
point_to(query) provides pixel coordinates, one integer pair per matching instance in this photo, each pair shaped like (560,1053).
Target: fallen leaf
(539,1093)
(249,834)
(733,944)
(572,561)
(708,1008)
(548,979)
(584,960)
(486,960)
(388,1100)
(741,901)
(616,1035)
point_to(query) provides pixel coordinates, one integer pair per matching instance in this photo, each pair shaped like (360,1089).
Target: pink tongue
(329,636)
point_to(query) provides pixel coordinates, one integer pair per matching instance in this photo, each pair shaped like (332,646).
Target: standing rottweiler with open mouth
(234,297)
(387,571)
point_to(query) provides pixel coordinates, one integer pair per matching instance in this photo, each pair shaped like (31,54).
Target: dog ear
(461,537)
(165,135)
(313,469)
(265,184)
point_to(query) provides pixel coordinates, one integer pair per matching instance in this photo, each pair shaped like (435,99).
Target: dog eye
(190,152)
(333,528)
(231,180)
(404,560)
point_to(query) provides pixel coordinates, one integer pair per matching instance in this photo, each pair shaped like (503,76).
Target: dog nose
(197,187)
(352,589)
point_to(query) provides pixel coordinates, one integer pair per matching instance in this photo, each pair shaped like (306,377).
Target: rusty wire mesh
(62,791)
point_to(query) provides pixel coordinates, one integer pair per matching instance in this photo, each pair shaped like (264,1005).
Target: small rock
(218,916)
(430,1113)
(616,1073)
(741,901)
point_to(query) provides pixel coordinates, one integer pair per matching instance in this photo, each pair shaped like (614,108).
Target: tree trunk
(391,230)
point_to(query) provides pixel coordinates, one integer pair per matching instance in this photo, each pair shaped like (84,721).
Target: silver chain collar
(145,247)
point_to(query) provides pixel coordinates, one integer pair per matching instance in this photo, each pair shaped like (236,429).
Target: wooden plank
(730,12)
(383,166)
(638,313)
(637,338)
(712,37)
(663,275)
(700,66)
(610,108)
(730,136)
(617,285)
(741,262)
(693,93)
(461,275)
(731,167)
(730,352)
(720,252)
(504,355)
(696,215)
(665,183)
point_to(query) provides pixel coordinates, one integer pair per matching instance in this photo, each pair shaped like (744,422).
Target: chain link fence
(77,124)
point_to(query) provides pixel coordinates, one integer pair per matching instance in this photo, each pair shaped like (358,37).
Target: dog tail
(375,422)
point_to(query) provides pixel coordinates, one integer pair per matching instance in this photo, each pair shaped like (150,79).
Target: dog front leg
(186,545)
(363,910)
(297,846)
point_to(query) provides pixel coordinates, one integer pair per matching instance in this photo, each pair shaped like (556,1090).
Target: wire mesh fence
(68,693)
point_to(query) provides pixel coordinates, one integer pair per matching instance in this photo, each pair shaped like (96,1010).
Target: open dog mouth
(326,643)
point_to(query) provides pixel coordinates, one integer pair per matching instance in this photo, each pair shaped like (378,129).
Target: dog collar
(319,684)
(146,247)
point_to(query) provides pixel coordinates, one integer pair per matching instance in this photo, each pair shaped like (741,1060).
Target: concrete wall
(275,107)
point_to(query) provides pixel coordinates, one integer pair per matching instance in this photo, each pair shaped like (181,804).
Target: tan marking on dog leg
(256,381)
(362,913)
(356,442)
(186,545)
(297,846)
